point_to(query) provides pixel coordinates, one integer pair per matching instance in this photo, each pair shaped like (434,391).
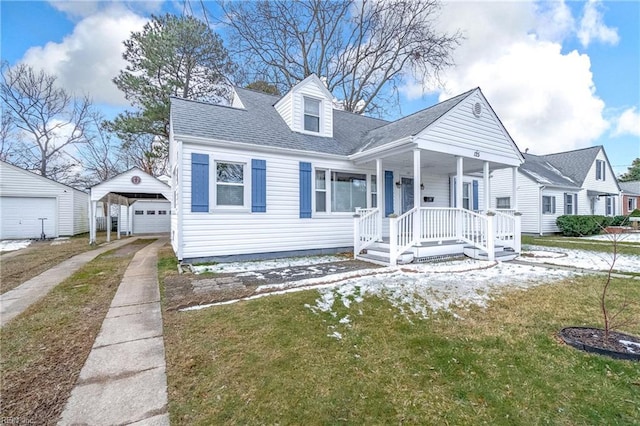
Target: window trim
(326,191)
(503,198)
(329,190)
(373,194)
(552,204)
(600,170)
(246,184)
(570,200)
(319,116)
(610,206)
(631,204)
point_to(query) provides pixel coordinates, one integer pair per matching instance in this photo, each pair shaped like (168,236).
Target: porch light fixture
(421,186)
(398,184)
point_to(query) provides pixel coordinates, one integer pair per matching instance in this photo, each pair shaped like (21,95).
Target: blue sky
(560,75)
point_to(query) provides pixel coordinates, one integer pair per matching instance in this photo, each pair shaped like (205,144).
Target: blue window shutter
(575,203)
(258,186)
(388,192)
(305,190)
(199,182)
(475,195)
(455,193)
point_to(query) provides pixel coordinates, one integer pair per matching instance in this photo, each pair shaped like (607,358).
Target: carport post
(109,218)
(119,218)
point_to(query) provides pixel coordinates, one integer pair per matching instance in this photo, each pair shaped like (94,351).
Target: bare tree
(48,121)
(363,48)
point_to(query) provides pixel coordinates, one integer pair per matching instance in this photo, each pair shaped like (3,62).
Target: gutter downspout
(541,188)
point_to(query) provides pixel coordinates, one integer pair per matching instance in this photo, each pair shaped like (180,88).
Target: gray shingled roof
(260,124)
(575,164)
(543,172)
(410,125)
(630,188)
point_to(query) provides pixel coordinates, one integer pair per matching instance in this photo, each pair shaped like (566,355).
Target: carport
(124,190)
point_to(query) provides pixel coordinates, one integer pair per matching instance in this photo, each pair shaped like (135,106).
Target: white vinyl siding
(461,132)
(291,108)
(607,186)
(528,197)
(224,232)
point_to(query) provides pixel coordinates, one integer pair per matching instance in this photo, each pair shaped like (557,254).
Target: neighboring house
(630,199)
(32,205)
(143,201)
(270,176)
(579,182)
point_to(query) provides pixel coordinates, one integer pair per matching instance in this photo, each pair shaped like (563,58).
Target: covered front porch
(436,204)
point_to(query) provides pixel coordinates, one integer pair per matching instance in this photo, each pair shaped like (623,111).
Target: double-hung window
(611,206)
(569,204)
(503,202)
(311,115)
(466,195)
(548,205)
(229,184)
(321,191)
(600,170)
(632,204)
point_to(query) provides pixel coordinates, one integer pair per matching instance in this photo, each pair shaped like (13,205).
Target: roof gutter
(382,148)
(259,148)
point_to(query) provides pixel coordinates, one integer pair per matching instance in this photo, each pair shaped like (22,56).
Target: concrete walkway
(124,378)
(15,301)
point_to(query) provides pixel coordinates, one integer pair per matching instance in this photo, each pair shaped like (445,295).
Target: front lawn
(606,246)
(40,256)
(286,359)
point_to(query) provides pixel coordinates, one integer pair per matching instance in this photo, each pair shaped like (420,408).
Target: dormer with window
(308,108)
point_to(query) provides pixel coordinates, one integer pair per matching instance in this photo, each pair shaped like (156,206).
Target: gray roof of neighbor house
(260,124)
(575,164)
(630,188)
(410,125)
(543,172)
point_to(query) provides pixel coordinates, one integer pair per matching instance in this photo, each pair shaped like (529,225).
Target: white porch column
(487,186)
(109,218)
(119,228)
(93,205)
(417,218)
(129,219)
(381,199)
(459,168)
(514,188)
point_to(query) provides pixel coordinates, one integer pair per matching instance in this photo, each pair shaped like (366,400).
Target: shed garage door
(19,217)
(151,217)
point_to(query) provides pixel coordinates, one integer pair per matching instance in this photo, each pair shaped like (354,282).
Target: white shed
(144,200)
(32,205)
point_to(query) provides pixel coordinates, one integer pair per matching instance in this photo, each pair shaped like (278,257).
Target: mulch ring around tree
(589,339)
(188,289)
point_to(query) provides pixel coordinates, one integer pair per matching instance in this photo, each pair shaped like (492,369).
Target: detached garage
(31,205)
(143,199)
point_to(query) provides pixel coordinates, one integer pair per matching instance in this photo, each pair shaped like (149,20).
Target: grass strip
(272,361)
(623,247)
(44,349)
(38,257)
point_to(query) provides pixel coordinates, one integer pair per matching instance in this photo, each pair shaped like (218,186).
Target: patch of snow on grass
(261,265)
(60,240)
(627,238)
(590,260)
(631,346)
(12,245)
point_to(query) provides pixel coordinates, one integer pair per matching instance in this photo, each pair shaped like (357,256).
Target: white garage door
(20,217)
(151,217)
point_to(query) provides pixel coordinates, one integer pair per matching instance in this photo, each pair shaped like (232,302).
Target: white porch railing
(367,229)
(509,212)
(402,233)
(437,224)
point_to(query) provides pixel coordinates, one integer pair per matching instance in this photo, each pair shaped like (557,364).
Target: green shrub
(578,226)
(635,213)
(620,221)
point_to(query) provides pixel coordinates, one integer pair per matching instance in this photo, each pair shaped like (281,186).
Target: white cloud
(546,98)
(85,8)
(90,57)
(628,123)
(593,28)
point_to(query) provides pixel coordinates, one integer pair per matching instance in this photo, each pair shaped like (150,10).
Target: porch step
(501,253)
(378,253)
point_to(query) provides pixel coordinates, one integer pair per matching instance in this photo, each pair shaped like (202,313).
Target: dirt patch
(189,289)
(616,345)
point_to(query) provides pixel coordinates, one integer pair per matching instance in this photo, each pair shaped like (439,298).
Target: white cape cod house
(273,176)
(578,182)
